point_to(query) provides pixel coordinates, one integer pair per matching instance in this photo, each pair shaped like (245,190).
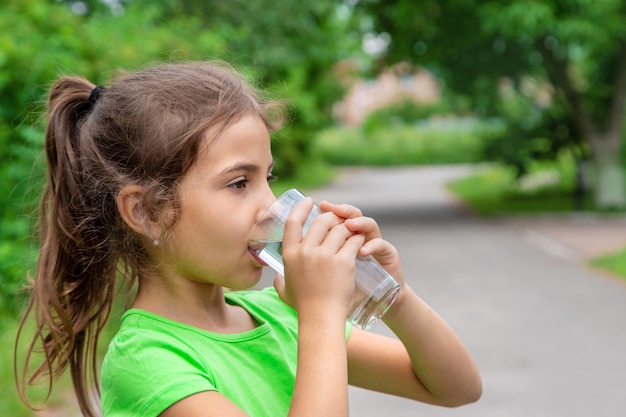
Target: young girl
(158,180)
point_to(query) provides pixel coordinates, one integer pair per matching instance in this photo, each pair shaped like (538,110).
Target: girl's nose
(266,201)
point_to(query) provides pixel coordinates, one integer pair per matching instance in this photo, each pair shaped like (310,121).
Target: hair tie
(94,96)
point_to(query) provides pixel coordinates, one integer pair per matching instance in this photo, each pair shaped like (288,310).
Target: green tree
(577,46)
(288,47)
(293,46)
(40,40)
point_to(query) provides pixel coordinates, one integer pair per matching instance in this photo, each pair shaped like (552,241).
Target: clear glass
(375,289)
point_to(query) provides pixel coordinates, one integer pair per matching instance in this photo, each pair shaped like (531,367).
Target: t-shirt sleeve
(269,299)
(142,376)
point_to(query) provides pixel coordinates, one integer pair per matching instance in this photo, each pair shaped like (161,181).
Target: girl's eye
(242,183)
(271,178)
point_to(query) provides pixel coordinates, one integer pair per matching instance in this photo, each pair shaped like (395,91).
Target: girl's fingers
(364,225)
(378,248)
(386,254)
(345,211)
(336,238)
(320,228)
(279,285)
(352,246)
(293,224)
(372,243)
(355,221)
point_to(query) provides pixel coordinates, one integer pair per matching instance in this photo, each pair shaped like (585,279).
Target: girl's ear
(133,213)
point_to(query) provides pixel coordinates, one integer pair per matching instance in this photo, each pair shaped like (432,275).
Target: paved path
(548,333)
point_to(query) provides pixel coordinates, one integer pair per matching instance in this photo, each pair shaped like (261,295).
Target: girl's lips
(255,255)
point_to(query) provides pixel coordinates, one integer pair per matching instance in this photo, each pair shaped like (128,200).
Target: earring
(155,242)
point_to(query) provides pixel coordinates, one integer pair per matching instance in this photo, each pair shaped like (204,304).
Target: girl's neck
(199,305)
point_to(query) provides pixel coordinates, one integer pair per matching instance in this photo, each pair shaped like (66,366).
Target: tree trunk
(610,185)
(605,141)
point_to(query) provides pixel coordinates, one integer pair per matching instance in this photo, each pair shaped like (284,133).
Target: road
(548,333)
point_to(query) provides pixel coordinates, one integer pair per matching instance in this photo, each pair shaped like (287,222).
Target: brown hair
(145,129)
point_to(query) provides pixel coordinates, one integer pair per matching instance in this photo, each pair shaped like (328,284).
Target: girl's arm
(311,286)
(428,363)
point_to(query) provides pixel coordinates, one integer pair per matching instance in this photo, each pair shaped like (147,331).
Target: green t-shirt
(153,362)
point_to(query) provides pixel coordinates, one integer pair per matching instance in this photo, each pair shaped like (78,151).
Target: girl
(158,181)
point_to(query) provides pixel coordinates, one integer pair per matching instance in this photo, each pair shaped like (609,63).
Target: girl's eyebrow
(243,166)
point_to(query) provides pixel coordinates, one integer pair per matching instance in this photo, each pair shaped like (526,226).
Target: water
(272,254)
(375,292)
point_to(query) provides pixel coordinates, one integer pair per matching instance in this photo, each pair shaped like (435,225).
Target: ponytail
(73,287)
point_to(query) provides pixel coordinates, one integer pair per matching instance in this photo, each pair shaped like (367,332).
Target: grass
(493,192)
(62,393)
(10,403)
(547,188)
(615,263)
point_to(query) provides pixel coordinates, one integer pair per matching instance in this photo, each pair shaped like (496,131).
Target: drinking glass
(375,289)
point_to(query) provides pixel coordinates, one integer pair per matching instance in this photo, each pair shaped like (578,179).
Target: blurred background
(532,92)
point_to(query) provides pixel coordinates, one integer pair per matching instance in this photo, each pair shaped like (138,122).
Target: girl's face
(222,197)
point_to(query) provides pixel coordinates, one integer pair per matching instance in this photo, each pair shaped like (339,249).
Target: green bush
(547,187)
(444,141)
(402,113)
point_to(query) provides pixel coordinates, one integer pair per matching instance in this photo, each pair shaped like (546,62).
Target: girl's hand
(319,268)
(384,252)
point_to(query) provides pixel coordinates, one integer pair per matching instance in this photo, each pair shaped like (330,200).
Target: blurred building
(394,84)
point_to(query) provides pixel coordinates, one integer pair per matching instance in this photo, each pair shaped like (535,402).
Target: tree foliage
(286,47)
(577,47)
